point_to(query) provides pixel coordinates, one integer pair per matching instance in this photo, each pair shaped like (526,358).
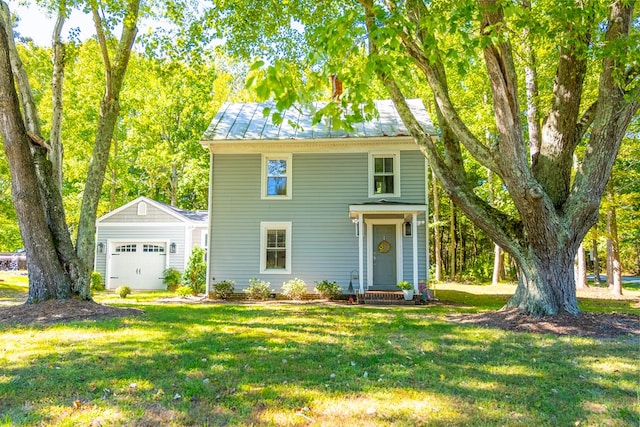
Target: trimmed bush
(223,288)
(123,291)
(328,289)
(258,289)
(184,291)
(172,278)
(97,284)
(195,275)
(294,289)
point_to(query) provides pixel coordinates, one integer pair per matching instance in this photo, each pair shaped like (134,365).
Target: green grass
(298,364)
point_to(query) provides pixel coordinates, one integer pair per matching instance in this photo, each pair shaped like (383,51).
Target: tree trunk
(596,262)
(614,270)
(452,241)
(109,110)
(47,278)
(497,264)
(581,269)
(436,229)
(546,288)
(56,100)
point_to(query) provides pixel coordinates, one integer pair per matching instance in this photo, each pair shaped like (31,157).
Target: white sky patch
(35,23)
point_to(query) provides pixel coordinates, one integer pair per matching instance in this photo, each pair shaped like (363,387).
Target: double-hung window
(384,175)
(275,247)
(277,176)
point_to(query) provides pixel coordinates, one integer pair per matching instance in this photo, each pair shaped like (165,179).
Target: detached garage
(138,241)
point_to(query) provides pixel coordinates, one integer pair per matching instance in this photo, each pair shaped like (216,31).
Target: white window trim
(142,208)
(396,173)
(264,226)
(263,176)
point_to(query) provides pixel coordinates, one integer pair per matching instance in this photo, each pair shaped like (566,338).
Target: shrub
(328,289)
(195,275)
(405,285)
(223,289)
(294,289)
(97,284)
(171,277)
(258,289)
(184,291)
(123,291)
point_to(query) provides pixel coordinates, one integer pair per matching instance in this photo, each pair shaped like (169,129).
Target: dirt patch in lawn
(599,325)
(56,311)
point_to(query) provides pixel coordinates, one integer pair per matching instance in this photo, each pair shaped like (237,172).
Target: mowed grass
(311,364)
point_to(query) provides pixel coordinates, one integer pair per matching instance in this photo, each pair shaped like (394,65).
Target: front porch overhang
(384,207)
(384,210)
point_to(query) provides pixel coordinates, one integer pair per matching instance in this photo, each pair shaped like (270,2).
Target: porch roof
(385,207)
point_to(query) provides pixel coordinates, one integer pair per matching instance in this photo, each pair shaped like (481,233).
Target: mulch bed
(57,311)
(597,325)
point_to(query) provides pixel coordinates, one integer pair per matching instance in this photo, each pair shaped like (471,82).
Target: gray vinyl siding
(136,234)
(324,243)
(130,214)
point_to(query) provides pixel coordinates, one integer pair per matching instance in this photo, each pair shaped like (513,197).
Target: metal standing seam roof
(244,121)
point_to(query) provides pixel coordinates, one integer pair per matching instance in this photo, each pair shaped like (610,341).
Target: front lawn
(310,364)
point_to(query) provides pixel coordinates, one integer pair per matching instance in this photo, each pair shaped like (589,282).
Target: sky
(35,24)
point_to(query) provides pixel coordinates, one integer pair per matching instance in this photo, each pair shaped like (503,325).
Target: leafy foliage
(295,289)
(184,291)
(195,274)
(123,291)
(97,283)
(223,289)
(328,289)
(172,278)
(258,289)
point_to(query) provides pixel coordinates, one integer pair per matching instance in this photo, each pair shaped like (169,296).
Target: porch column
(414,238)
(360,253)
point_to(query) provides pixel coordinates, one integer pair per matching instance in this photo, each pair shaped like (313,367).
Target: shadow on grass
(288,364)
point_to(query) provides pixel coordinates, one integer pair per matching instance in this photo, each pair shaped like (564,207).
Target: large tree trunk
(47,277)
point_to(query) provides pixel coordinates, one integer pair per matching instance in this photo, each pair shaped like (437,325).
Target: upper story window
(277,176)
(384,175)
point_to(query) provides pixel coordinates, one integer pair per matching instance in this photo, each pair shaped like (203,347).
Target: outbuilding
(138,241)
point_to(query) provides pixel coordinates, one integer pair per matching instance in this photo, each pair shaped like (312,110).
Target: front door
(384,255)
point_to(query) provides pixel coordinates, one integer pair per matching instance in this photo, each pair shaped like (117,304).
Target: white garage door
(138,265)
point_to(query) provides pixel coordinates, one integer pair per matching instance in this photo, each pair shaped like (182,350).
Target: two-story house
(296,201)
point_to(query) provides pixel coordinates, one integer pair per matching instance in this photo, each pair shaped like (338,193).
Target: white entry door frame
(370,222)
